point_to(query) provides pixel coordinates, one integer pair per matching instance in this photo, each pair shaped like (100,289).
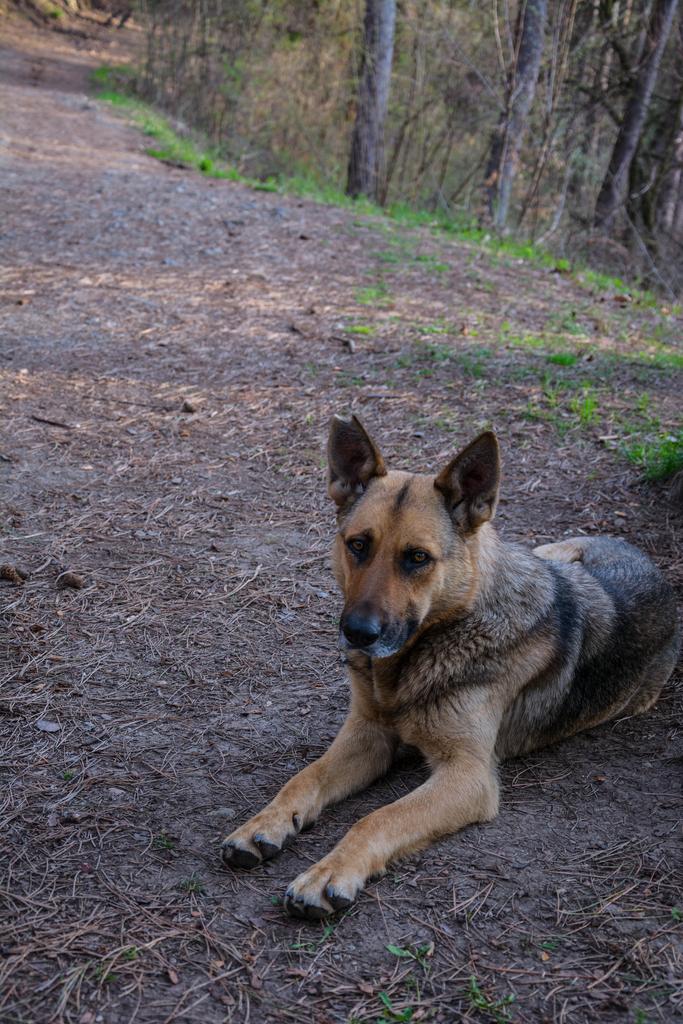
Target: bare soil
(171,349)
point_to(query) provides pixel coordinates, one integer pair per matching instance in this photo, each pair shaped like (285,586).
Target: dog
(468,648)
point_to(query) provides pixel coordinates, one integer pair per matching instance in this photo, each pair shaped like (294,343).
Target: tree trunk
(672,187)
(507,139)
(633,121)
(366,162)
(674,177)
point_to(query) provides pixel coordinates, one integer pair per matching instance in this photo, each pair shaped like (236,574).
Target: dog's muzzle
(365,633)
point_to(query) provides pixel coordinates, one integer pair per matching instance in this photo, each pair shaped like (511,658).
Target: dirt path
(171,348)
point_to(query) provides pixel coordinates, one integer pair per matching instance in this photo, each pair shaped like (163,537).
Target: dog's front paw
(324,889)
(262,838)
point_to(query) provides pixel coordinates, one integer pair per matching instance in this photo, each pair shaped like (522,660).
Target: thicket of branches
(559,120)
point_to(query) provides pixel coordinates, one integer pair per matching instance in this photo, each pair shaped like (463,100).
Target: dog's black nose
(361,631)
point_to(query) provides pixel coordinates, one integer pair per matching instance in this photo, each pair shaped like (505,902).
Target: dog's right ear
(353,459)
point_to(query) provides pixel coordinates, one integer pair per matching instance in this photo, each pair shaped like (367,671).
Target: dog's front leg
(460,791)
(361,752)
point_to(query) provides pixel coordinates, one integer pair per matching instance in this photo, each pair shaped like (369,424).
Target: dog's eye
(358,545)
(418,557)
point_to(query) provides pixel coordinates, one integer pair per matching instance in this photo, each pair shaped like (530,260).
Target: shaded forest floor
(171,349)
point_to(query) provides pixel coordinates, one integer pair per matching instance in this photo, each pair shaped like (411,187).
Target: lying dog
(470,649)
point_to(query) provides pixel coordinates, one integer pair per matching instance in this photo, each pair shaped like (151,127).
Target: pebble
(227,813)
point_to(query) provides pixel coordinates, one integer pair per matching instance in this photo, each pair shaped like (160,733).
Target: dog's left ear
(470,482)
(353,459)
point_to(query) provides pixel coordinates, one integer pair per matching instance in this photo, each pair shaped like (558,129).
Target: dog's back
(615,625)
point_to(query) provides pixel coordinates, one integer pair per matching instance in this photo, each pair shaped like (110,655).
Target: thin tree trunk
(409,114)
(559,61)
(366,162)
(674,176)
(672,185)
(507,139)
(628,137)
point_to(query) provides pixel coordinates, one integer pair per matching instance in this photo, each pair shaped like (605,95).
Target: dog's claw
(296,906)
(238,857)
(268,849)
(337,899)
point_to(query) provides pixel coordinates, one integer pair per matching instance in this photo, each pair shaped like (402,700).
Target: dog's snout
(361,630)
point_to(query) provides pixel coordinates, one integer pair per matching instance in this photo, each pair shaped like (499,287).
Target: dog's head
(408,548)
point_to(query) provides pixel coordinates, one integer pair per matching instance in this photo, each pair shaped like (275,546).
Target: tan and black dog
(470,649)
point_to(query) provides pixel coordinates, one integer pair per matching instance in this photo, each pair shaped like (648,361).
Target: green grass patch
(102,974)
(433,328)
(497,1009)
(433,264)
(473,363)
(172,147)
(586,408)
(390,1014)
(568,323)
(269,184)
(193,885)
(118,99)
(659,458)
(313,945)
(360,329)
(533,341)
(387,256)
(439,353)
(374,295)
(596,282)
(563,358)
(558,407)
(113,77)
(663,358)
(322,192)
(163,842)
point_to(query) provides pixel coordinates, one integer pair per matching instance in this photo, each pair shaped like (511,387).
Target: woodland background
(556,121)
